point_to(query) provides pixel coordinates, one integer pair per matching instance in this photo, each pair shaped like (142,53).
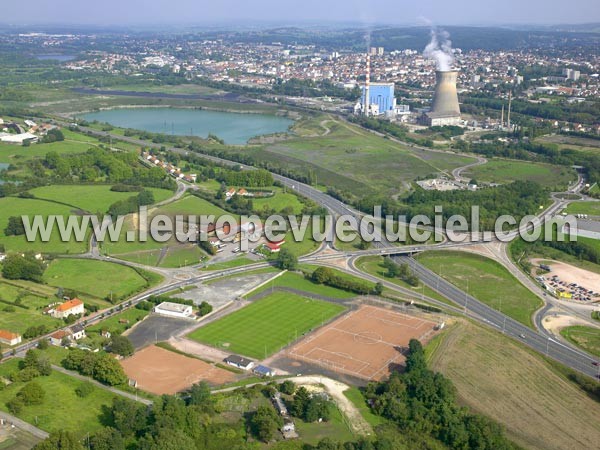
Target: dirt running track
(367,343)
(161,371)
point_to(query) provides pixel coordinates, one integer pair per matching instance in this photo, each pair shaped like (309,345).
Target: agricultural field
(99,279)
(21,306)
(10,153)
(61,409)
(10,206)
(503,171)
(267,325)
(486,280)
(88,198)
(345,158)
(500,378)
(586,338)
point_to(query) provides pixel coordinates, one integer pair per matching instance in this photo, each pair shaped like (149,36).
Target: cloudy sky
(190,12)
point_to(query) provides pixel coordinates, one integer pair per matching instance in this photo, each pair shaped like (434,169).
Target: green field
(92,199)
(279,201)
(505,171)
(96,278)
(62,409)
(267,325)
(31,301)
(586,338)
(353,159)
(112,324)
(486,280)
(590,208)
(149,252)
(358,399)
(297,281)
(13,206)
(10,153)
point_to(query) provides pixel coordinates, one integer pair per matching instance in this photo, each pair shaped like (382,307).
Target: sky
(286,12)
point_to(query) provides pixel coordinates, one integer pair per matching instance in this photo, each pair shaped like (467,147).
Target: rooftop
(173,307)
(69,304)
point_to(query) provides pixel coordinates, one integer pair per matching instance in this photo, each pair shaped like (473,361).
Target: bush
(31,394)
(84,389)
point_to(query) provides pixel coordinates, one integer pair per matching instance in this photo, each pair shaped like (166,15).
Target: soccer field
(265,326)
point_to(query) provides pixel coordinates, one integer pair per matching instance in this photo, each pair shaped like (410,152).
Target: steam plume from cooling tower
(440,49)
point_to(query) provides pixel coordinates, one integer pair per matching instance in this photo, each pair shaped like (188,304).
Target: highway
(473,308)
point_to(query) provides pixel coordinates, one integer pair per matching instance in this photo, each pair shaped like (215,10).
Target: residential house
(77,332)
(9,338)
(68,308)
(57,337)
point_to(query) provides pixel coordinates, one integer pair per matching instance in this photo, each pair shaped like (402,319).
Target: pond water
(233,128)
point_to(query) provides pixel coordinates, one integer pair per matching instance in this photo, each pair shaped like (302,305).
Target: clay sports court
(161,371)
(364,343)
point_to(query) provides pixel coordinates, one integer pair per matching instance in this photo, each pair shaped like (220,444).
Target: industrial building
(381,99)
(445,109)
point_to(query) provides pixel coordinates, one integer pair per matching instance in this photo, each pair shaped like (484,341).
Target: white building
(18,138)
(9,338)
(174,310)
(240,362)
(68,308)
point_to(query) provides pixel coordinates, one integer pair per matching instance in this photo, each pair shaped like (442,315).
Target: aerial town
(300,233)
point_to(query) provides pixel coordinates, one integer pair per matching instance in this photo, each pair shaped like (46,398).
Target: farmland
(486,280)
(91,198)
(9,206)
(99,279)
(500,378)
(267,325)
(28,300)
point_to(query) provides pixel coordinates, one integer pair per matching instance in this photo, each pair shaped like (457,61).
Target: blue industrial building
(381,98)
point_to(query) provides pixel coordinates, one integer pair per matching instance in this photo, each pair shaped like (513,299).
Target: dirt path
(336,389)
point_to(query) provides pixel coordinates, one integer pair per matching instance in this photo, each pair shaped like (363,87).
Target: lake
(233,128)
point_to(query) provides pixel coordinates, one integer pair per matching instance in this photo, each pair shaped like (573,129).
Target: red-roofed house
(274,247)
(57,337)
(9,338)
(68,308)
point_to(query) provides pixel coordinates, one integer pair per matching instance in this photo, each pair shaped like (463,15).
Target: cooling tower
(445,99)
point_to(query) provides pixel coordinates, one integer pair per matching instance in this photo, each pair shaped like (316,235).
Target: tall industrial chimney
(367,86)
(445,99)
